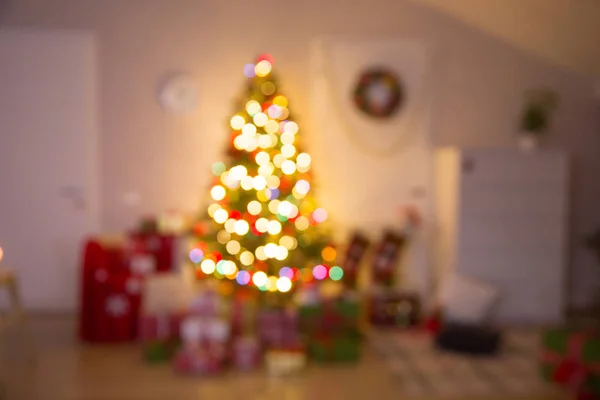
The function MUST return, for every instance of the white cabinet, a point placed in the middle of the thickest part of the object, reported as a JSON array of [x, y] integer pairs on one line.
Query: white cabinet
[[502, 218]]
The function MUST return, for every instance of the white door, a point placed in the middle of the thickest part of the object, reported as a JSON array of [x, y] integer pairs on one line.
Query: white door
[[47, 161]]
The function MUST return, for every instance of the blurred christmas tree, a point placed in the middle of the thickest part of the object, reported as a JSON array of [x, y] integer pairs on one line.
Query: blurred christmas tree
[[263, 227]]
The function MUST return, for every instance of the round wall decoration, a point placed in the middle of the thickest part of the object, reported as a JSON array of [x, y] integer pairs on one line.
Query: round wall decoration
[[378, 93], [178, 93]]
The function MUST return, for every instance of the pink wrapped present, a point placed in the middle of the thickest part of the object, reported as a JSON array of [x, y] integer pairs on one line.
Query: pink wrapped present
[[204, 348], [207, 304], [246, 353], [277, 328], [207, 358]]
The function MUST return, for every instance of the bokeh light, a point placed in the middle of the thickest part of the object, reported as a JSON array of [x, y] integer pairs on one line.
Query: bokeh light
[[246, 183], [259, 182], [288, 167], [319, 215], [272, 126], [284, 284], [249, 130], [208, 266], [281, 101], [302, 186], [273, 182], [243, 277], [220, 216], [287, 272], [274, 227], [302, 223], [271, 250], [233, 247], [241, 227], [260, 119], [230, 225], [218, 192], [249, 70], [268, 88], [259, 278], [196, 255], [329, 253], [320, 272], [288, 150], [253, 107], [223, 236], [291, 127], [247, 258], [262, 68], [237, 122], [254, 207], [303, 160], [336, 273], [218, 168]]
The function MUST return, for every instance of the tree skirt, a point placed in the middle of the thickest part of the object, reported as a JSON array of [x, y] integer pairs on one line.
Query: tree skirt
[[423, 371]]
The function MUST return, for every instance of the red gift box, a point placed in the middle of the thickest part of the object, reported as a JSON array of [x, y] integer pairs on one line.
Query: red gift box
[[206, 358], [246, 353], [277, 328], [160, 247], [160, 326]]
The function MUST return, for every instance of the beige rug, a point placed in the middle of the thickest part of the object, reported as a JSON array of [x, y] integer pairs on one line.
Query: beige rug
[[423, 371]]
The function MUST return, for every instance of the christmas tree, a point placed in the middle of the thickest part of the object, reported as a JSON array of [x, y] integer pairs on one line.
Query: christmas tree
[[263, 227]]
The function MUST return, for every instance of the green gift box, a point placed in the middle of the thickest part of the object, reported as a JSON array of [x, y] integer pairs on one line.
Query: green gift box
[[337, 316], [159, 351], [342, 348], [569, 355]]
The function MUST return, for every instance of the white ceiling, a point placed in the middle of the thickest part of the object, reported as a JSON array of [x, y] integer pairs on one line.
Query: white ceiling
[[564, 32]]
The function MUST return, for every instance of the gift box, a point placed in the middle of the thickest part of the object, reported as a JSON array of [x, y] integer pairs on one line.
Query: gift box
[[277, 327], [159, 251], [329, 317], [204, 346], [571, 358], [336, 348], [390, 308], [246, 353], [354, 255], [386, 259], [159, 335]]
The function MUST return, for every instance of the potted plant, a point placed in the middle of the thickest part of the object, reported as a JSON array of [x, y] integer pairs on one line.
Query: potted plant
[[535, 119]]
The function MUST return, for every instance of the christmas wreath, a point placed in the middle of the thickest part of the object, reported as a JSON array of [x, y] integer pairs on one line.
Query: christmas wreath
[[378, 93]]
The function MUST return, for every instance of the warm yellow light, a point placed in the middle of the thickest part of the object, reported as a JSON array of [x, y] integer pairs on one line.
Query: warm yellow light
[[285, 113], [291, 127], [262, 157], [259, 182], [237, 122], [281, 253], [268, 88], [240, 142], [287, 138], [302, 223], [287, 242], [241, 227], [273, 182], [253, 107], [271, 250], [252, 144], [281, 101], [272, 284], [217, 192], [274, 206], [293, 212], [264, 141], [274, 112], [229, 268], [329, 253], [260, 278], [303, 160], [247, 258], [233, 247], [212, 208], [249, 130], [288, 150], [260, 253], [254, 207], [260, 119], [262, 68], [261, 195], [247, 183], [230, 225], [238, 172], [220, 216], [208, 266], [274, 138], [284, 208], [223, 237], [303, 170], [284, 284], [262, 225], [274, 227], [266, 170], [272, 126], [1, 253], [288, 167], [278, 160]]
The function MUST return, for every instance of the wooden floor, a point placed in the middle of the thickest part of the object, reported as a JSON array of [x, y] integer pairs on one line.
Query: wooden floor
[[64, 369]]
